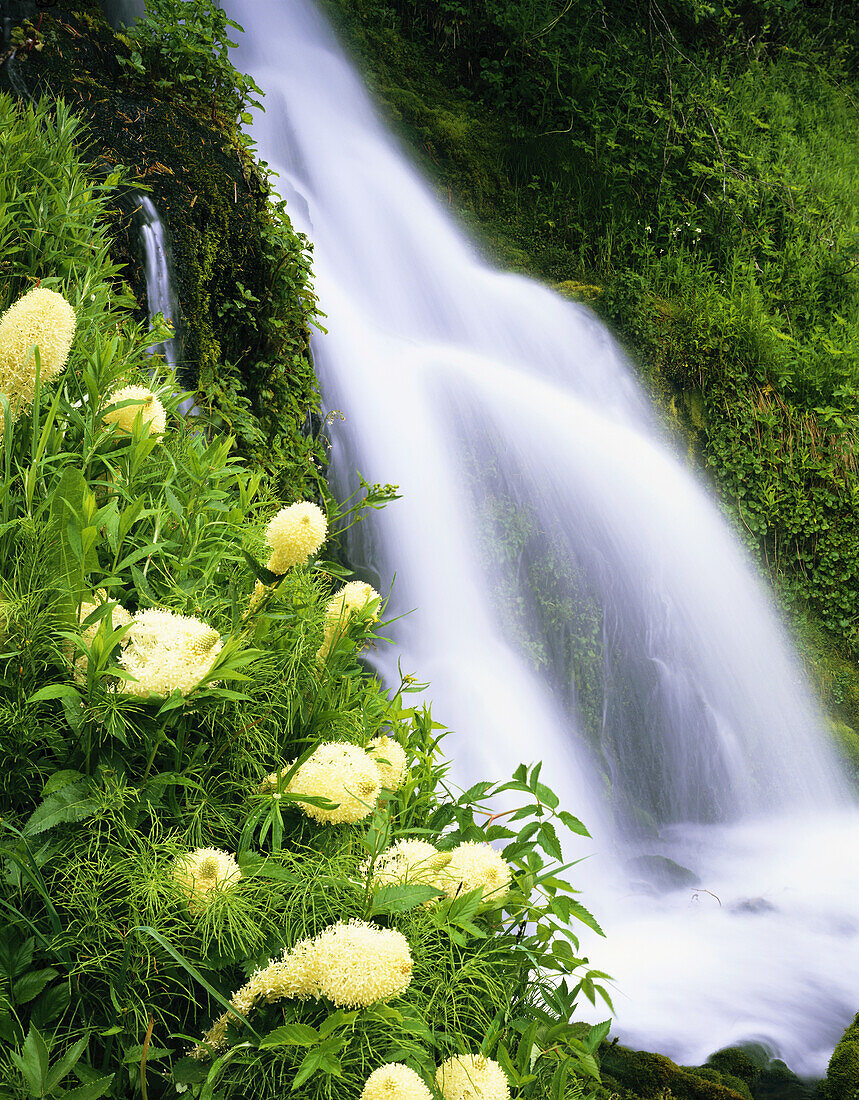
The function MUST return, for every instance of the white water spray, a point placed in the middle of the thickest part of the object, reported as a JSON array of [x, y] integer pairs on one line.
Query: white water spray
[[499, 407]]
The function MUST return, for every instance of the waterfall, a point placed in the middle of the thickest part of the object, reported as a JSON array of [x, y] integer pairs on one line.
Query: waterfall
[[161, 294], [160, 283], [569, 589]]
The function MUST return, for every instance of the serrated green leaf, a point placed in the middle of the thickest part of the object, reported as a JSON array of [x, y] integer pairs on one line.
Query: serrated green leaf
[[32, 984], [402, 898], [291, 1035], [91, 1091], [71, 803]]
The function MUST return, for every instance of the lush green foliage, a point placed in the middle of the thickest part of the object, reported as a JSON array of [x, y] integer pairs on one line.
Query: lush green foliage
[[243, 276], [182, 47], [107, 975]]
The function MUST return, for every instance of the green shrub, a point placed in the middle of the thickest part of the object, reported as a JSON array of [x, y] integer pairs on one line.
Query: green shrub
[[130, 551]]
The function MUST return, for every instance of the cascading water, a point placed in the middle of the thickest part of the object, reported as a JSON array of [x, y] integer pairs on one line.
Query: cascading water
[[161, 294], [160, 284], [529, 463]]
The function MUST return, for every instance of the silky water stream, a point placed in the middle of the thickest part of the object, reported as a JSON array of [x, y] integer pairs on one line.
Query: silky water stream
[[573, 595]]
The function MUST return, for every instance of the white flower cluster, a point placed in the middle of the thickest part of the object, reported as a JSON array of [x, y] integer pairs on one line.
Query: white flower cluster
[[390, 757], [343, 773], [41, 318], [294, 534], [117, 616], [473, 864], [167, 652], [145, 403], [353, 599], [203, 873], [354, 965], [410, 861], [472, 1077], [395, 1081], [468, 866]]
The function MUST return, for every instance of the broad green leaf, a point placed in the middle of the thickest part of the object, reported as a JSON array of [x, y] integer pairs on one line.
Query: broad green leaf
[[32, 984], [71, 803], [55, 691], [34, 1059], [291, 1035], [91, 1091], [399, 899], [65, 1065]]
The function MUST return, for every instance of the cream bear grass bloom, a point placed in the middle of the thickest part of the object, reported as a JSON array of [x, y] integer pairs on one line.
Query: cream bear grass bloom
[[395, 1081], [342, 773], [293, 976], [390, 757], [473, 864], [359, 964], [352, 599], [472, 1077], [294, 534], [41, 318], [354, 965], [146, 403], [204, 873], [167, 652], [410, 861], [117, 617]]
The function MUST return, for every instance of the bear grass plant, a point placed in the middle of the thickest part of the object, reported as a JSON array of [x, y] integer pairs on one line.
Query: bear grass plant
[[149, 869]]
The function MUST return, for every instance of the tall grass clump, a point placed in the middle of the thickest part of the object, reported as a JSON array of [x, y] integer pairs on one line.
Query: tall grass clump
[[207, 800]]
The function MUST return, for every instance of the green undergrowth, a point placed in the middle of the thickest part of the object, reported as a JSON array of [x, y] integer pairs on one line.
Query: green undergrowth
[[170, 107], [111, 968], [689, 171]]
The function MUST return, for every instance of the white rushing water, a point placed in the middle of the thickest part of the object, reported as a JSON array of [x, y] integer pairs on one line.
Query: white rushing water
[[161, 296], [158, 269], [689, 734]]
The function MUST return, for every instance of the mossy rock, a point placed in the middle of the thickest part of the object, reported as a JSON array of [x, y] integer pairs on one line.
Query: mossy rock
[[842, 1075], [645, 1076], [740, 1063], [710, 1073]]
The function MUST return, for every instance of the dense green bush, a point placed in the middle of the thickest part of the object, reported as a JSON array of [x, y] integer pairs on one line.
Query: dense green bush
[[115, 959]]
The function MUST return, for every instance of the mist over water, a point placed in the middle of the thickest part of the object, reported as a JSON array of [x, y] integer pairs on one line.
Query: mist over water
[[658, 688]]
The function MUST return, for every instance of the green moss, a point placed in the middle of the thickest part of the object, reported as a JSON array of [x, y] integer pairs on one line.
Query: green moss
[[634, 1073], [738, 1063], [842, 1075]]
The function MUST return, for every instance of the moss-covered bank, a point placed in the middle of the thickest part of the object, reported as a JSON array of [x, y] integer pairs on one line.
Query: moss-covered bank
[[244, 281]]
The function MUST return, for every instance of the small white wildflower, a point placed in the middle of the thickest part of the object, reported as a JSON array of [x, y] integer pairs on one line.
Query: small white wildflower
[[473, 864], [409, 861], [342, 773], [359, 964], [41, 318], [352, 599], [168, 652], [203, 873], [390, 757]]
